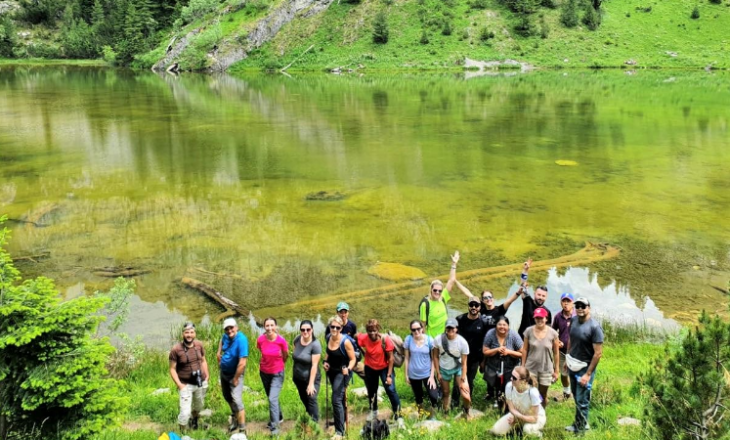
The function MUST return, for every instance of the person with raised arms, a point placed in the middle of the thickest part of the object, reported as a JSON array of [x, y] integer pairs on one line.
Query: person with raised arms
[[432, 309]]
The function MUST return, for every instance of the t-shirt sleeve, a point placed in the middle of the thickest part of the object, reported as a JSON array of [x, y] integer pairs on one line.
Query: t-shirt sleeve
[[283, 344], [259, 342], [361, 339], [437, 343], [407, 343], [243, 347], [516, 340], [422, 311], [389, 346], [488, 339], [597, 334], [173, 355], [316, 347], [464, 346], [535, 397], [446, 296], [202, 349]]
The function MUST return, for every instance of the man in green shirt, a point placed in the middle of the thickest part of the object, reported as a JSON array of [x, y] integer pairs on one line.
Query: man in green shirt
[[432, 310]]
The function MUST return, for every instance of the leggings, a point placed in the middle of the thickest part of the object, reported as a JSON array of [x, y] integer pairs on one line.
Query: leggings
[[310, 402], [418, 385], [339, 388]]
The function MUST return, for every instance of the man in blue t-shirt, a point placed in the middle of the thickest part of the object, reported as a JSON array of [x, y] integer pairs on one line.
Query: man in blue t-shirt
[[232, 356]]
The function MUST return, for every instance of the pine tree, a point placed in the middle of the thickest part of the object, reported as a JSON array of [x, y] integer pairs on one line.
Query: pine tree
[[569, 14], [689, 395], [380, 28], [591, 18], [52, 372]]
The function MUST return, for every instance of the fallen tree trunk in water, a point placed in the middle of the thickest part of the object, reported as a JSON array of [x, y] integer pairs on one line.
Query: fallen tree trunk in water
[[33, 258], [121, 271], [216, 296]]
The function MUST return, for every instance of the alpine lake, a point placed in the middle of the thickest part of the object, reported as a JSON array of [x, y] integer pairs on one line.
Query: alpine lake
[[288, 194]]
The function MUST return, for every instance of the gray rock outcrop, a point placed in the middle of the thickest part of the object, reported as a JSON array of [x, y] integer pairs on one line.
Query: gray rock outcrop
[[231, 50]]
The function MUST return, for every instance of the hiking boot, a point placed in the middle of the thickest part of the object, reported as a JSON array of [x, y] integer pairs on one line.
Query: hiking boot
[[233, 427], [194, 423]]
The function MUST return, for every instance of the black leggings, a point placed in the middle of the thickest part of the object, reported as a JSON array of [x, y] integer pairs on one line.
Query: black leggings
[[310, 402], [433, 393]]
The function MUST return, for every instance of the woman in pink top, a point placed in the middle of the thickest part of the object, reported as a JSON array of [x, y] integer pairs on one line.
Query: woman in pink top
[[274, 353]]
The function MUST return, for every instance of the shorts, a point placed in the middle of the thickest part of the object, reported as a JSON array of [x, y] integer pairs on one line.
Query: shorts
[[544, 379], [563, 366], [448, 374]]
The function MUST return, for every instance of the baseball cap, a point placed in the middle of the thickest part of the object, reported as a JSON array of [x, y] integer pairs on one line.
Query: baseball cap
[[229, 322], [566, 295], [540, 313], [451, 322], [584, 300], [474, 300], [188, 326], [343, 306]]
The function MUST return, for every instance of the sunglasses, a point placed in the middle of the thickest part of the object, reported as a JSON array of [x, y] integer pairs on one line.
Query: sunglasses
[[450, 328], [335, 327], [486, 298], [417, 329], [474, 306], [580, 306], [515, 378], [436, 291], [305, 330]]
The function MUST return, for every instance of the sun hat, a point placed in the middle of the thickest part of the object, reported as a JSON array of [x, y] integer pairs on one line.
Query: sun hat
[[229, 322]]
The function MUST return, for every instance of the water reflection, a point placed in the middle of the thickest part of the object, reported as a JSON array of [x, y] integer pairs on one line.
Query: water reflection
[[213, 171]]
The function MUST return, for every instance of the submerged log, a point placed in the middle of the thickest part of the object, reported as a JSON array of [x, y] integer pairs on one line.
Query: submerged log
[[119, 271], [33, 258], [215, 296]]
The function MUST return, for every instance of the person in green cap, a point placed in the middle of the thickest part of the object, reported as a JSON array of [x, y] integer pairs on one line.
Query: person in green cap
[[349, 328], [432, 309]]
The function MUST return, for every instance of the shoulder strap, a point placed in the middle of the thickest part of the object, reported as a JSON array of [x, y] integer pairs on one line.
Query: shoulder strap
[[428, 308], [445, 344]]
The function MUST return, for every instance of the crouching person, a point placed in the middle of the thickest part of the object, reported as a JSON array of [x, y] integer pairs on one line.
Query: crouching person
[[525, 409], [189, 371]]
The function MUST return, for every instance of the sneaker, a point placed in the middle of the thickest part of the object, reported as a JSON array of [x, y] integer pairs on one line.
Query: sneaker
[[194, 423], [567, 396], [373, 415], [570, 428], [233, 427], [401, 423]]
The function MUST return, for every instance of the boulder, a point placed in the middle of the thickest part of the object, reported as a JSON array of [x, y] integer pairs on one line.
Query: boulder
[[430, 425], [629, 421], [159, 391]]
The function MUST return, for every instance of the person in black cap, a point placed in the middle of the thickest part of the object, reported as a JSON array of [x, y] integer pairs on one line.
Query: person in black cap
[[585, 349], [189, 371], [472, 327]]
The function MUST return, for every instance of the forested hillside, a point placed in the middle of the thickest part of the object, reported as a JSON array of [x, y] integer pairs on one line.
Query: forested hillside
[[358, 34]]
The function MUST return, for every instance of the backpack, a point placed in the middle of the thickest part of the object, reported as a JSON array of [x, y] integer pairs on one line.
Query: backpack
[[398, 355], [376, 430], [425, 300], [355, 347]]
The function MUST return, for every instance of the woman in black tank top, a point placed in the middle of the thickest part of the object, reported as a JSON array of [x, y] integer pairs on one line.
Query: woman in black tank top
[[338, 365]]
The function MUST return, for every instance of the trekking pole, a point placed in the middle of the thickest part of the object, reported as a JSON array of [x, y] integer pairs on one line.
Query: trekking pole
[[326, 402], [347, 417]]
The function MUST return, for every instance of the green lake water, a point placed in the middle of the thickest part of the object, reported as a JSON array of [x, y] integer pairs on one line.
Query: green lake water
[[209, 177]]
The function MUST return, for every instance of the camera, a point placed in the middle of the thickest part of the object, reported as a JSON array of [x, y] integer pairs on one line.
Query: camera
[[198, 378]]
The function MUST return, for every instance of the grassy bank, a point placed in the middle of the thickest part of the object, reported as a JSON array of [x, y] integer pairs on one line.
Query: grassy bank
[[51, 62], [614, 397]]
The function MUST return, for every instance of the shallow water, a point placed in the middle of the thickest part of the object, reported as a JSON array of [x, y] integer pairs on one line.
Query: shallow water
[[175, 174]]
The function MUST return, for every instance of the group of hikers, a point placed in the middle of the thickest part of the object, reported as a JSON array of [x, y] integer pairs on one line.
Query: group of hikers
[[441, 358]]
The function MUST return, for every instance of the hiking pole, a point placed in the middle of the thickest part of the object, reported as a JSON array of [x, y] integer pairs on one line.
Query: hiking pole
[[347, 417], [326, 402]]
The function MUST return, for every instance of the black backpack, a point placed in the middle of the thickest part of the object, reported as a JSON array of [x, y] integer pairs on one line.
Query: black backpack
[[424, 300], [376, 430]]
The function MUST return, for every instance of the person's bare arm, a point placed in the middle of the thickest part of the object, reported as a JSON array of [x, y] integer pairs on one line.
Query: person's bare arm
[[204, 368], [527, 418], [219, 353], [175, 377], [452, 273], [240, 368], [463, 289], [556, 357], [350, 350], [313, 373], [512, 298], [597, 353], [525, 347], [406, 360]]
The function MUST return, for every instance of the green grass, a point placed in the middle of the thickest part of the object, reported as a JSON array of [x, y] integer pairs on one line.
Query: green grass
[[614, 397], [342, 37]]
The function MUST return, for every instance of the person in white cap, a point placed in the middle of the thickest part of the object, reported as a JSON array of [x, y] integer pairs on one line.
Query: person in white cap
[[189, 371], [232, 355], [585, 349]]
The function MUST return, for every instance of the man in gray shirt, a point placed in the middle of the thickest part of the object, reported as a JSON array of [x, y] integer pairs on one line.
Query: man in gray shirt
[[585, 349]]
